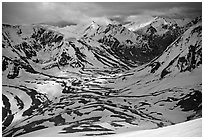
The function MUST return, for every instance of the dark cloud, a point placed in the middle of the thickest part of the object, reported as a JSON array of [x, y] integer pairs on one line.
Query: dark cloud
[[27, 13], [131, 8], [19, 13]]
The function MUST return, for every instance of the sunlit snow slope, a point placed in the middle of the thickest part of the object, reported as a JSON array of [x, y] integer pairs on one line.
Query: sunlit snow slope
[[186, 129]]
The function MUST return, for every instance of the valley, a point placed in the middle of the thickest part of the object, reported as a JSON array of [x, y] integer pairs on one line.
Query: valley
[[93, 79]]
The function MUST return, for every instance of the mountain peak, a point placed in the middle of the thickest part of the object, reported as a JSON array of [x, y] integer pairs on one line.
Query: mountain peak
[[137, 22], [94, 25]]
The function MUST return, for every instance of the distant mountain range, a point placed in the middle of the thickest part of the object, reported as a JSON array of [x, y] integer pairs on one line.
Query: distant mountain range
[[59, 24]]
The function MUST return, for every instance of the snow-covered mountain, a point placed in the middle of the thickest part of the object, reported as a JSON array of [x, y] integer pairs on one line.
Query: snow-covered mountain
[[95, 81], [161, 32], [60, 24], [134, 23]]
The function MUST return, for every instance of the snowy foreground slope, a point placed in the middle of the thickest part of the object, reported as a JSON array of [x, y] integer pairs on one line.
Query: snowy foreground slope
[[86, 86], [187, 129]]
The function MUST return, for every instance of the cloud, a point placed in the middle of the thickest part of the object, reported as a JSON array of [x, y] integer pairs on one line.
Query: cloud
[[175, 12], [36, 12], [42, 12]]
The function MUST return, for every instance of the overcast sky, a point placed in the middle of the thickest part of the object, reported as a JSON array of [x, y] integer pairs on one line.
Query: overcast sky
[[27, 13]]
